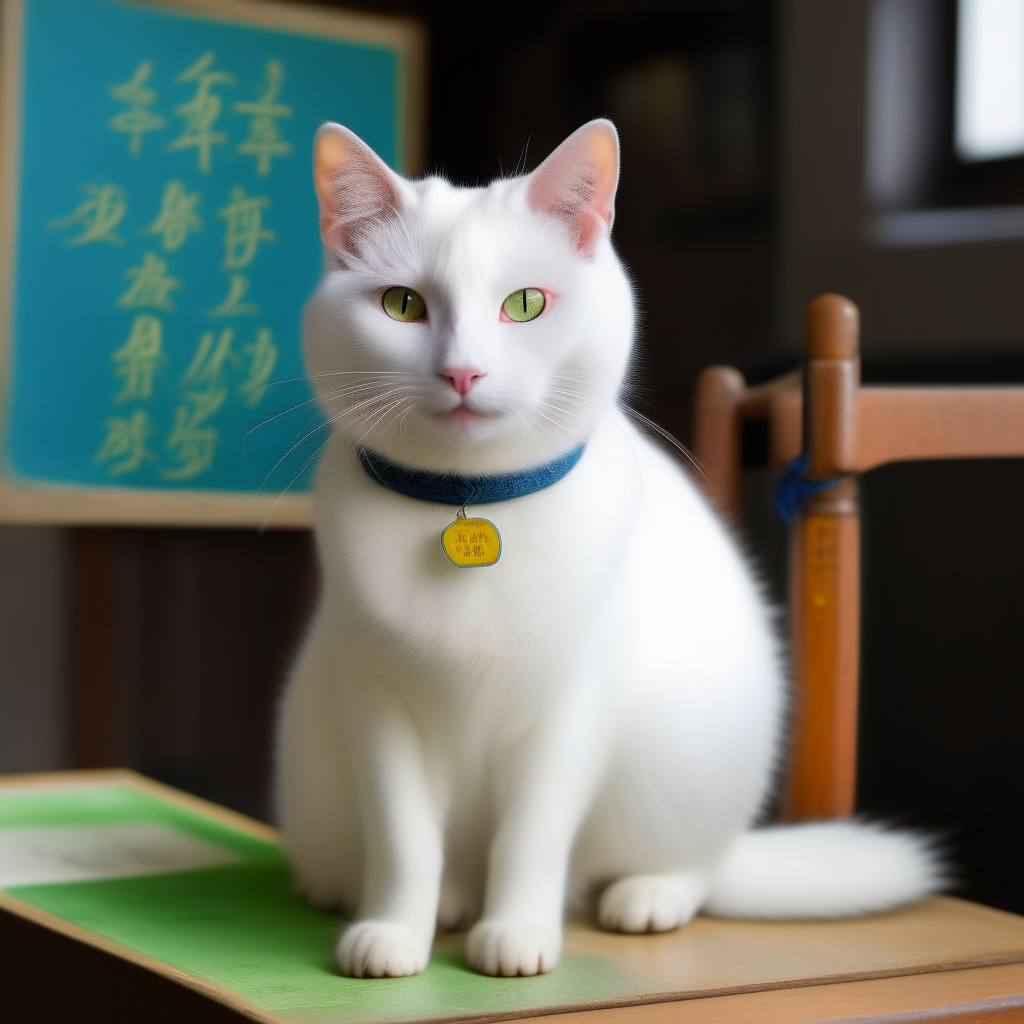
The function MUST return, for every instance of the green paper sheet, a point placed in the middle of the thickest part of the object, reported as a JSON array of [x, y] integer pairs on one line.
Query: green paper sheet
[[239, 926]]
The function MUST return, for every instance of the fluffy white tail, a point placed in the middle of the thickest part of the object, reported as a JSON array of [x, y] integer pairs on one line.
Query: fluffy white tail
[[822, 869]]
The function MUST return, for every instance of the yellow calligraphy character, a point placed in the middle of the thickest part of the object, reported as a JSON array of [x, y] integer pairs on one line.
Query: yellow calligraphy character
[[262, 360], [233, 304], [138, 360], [244, 231], [97, 216], [191, 442], [137, 119], [177, 216], [201, 112], [151, 285], [265, 140], [126, 442], [208, 363]]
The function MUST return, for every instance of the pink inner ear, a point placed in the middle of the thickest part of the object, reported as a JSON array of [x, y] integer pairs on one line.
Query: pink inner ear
[[576, 184], [354, 187]]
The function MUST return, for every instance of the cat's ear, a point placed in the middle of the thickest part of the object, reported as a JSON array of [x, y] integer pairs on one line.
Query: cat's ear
[[355, 188], [577, 184]]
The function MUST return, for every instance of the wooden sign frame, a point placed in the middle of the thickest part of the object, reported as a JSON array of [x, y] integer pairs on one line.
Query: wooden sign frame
[[23, 501]]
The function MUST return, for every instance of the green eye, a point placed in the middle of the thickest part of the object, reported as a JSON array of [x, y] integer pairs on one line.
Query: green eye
[[525, 304], [403, 304]]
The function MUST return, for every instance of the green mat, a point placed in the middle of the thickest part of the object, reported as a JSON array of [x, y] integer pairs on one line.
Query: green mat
[[238, 926]]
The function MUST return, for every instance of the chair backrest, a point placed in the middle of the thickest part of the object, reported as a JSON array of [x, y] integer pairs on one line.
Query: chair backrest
[[842, 429]]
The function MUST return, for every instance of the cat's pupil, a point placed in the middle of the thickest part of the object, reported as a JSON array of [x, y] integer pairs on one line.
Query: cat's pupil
[[406, 297], [524, 300]]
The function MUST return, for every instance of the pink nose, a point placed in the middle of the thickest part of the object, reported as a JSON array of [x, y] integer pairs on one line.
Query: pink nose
[[462, 378]]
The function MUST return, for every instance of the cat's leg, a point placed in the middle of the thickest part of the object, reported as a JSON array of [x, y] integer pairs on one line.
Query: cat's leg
[[468, 831], [549, 783], [686, 778], [403, 843], [653, 903], [460, 902], [314, 794]]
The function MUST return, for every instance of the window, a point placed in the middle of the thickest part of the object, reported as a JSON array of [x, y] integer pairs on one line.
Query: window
[[945, 121], [989, 100]]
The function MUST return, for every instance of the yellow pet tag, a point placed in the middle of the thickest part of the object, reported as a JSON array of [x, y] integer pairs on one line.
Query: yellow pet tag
[[471, 542]]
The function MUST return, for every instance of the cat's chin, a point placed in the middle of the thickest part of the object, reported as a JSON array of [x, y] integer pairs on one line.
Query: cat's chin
[[481, 443]]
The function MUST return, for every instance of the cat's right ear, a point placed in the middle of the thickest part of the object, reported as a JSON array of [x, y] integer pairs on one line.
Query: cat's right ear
[[354, 187]]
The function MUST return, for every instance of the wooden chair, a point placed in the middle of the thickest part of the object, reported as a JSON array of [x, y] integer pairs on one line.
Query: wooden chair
[[845, 429]]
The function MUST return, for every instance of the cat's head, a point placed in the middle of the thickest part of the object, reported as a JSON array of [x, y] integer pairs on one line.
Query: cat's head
[[468, 329]]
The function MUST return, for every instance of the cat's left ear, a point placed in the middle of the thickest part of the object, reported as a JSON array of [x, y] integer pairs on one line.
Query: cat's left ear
[[576, 184], [355, 188]]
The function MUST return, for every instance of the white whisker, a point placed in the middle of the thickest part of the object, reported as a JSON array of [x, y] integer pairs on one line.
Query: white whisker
[[666, 436], [302, 469]]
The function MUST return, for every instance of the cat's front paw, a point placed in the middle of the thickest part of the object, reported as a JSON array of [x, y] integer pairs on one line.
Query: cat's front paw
[[381, 949], [510, 948], [651, 903]]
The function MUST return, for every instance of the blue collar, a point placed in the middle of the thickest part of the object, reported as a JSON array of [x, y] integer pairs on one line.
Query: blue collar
[[452, 489]]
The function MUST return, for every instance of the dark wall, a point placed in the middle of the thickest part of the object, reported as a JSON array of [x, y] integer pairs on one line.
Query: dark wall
[[941, 696], [181, 642]]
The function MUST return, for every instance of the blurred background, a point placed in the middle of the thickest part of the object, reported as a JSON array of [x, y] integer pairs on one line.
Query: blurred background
[[772, 150]]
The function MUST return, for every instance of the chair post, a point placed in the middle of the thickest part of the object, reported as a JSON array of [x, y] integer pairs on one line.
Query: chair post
[[825, 574], [716, 436]]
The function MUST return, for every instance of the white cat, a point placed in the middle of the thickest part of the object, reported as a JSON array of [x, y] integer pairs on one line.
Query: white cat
[[600, 708]]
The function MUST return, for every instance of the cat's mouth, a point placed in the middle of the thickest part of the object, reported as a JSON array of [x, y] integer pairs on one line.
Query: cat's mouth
[[462, 413]]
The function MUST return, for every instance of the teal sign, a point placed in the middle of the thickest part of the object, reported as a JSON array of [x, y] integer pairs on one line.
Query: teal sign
[[167, 240]]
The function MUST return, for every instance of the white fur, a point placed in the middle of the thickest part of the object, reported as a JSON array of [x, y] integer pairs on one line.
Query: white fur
[[603, 706], [821, 869]]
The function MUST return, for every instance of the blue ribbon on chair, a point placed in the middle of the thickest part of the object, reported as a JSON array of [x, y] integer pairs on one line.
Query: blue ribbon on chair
[[794, 488]]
